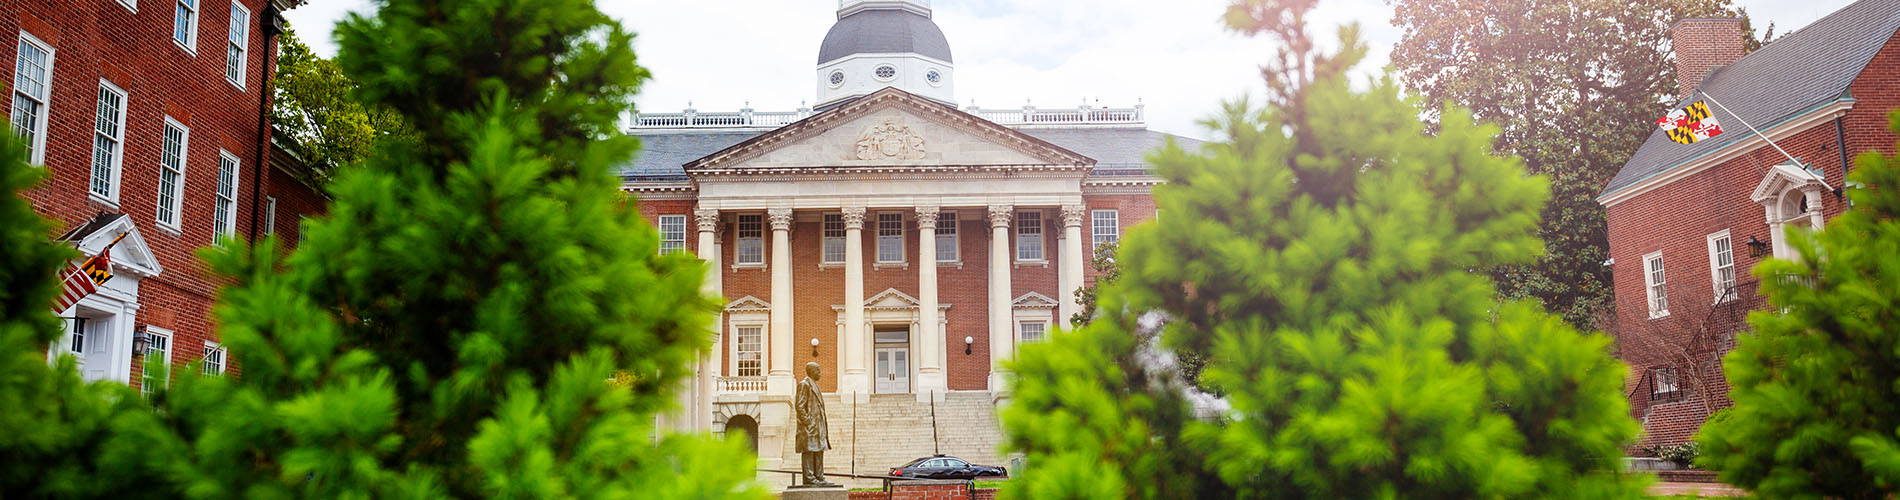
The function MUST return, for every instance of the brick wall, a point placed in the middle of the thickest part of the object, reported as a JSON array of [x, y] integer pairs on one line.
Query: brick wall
[[1677, 218], [134, 50], [928, 490], [1702, 44]]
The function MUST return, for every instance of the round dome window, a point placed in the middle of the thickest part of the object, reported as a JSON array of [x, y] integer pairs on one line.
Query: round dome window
[[934, 77], [886, 72], [837, 78]]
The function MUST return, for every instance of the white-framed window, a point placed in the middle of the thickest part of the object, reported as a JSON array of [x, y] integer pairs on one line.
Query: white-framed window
[[214, 358], [1105, 226], [108, 143], [1656, 284], [224, 208], [131, 5], [1029, 235], [1665, 385], [77, 342], [1722, 265], [672, 234], [239, 44], [32, 81], [185, 25], [270, 215], [171, 172], [751, 247], [748, 351], [947, 237], [833, 239], [890, 237], [1032, 331], [158, 353]]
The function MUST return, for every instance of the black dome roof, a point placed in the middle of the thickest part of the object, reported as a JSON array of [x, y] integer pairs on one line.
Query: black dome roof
[[884, 31]]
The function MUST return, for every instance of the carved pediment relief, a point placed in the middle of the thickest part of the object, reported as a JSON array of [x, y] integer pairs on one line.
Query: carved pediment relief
[[889, 140]]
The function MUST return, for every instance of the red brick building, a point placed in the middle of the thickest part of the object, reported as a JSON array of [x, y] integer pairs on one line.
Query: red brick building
[[904, 244], [1687, 222], [149, 117]]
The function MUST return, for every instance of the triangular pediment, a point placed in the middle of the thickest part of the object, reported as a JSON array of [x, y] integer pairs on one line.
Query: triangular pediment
[[131, 254], [1033, 300], [890, 298], [749, 303], [1781, 178], [889, 128]]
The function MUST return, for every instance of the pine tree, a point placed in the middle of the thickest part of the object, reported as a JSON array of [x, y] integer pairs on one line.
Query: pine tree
[[448, 329], [1816, 412], [1329, 259]]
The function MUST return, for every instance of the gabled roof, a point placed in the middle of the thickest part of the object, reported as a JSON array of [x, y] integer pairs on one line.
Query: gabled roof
[[131, 254], [888, 97], [1798, 73]]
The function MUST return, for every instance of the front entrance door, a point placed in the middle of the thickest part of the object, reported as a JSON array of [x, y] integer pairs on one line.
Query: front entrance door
[[893, 370]]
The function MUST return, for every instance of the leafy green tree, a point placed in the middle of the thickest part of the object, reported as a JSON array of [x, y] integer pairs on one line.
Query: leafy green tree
[[312, 105], [1106, 273], [1574, 87], [1325, 265], [1816, 412], [449, 328]]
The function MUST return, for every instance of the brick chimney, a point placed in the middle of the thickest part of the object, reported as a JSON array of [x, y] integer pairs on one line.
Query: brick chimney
[[1703, 44]]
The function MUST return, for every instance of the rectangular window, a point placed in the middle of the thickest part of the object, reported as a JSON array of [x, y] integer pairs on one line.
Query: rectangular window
[[890, 237], [672, 234], [79, 336], [1657, 285], [171, 172], [1665, 385], [185, 25], [270, 215], [32, 74], [1029, 236], [834, 239], [1032, 331], [239, 45], [1722, 266], [947, 237], [108, 142], [748, 353], [214, 358], [751, 249], [131, 5], [224, 210], [1105, 227], [158, 354]]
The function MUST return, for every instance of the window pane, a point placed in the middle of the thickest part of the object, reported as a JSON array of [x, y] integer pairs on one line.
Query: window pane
[[185, 22], [749, 355], [1029, 236], [1104, 227], [834, 239], [108, 127], [890, 237], [751, 249], [947, 237], [171, 163], [29, 94], [223, 220], [235, 49], [672, 233]]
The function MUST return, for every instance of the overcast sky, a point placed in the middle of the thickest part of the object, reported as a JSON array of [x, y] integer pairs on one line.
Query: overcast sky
[[1170, 55]]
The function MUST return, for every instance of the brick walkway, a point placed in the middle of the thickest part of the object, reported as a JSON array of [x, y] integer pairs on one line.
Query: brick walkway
[[1696, 489]]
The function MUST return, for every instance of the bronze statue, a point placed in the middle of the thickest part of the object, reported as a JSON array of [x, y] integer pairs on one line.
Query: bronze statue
[[812, 436]]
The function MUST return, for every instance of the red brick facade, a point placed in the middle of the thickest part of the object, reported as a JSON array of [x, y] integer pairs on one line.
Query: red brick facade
[[134, 50], [1702, 44], [1676, 219]]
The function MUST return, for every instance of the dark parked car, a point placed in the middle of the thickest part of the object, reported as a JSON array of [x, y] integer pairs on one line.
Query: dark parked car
[[946, 467]]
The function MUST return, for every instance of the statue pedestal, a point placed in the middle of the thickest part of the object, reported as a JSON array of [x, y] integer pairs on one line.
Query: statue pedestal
[[816, 493]]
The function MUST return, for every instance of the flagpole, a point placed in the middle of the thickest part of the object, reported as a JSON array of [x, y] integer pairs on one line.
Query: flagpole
[[1764, 137]]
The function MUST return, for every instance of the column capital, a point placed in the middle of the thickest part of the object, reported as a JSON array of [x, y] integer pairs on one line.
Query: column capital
[[927, 217], [854, 217], [708, 219], [781, 218], [1000, 215], [1073, 215]]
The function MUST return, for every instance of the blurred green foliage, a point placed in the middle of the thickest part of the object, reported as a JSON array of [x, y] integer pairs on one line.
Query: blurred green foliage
[[327, 127]]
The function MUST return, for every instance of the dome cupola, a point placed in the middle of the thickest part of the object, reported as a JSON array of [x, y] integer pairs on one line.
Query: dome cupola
[[884, 43]]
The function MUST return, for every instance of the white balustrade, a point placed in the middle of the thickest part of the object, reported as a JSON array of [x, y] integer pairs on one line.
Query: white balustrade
[[1025, 116], [741, 384]]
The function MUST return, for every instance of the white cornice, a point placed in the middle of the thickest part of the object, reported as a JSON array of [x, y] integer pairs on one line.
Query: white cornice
[[1798, 124]]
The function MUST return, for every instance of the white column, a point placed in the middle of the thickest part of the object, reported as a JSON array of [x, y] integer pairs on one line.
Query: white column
[[779, 380], [929, 352], [709, 366], [1069, 276], [1815, 219], [854, 379], [1002, 333]]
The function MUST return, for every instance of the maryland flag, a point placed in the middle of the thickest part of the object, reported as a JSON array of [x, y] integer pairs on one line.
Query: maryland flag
[[1690, 124], [79, 282]]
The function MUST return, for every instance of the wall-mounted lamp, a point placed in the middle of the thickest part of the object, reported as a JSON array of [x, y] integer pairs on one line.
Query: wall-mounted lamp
[[966, 344], [1757, 248], [140, 341], [814, 347]]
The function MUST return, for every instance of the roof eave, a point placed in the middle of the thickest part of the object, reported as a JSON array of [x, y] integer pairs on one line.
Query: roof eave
[[1780, 129]]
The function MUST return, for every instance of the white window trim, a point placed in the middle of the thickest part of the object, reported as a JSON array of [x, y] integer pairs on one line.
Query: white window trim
[[237, 170], [825, 239], [1095, 237], [738, 242], [1022, 331], [956, 238], [1649, 285], [178, 189], [1044, 314], [244, 46], [732, 354], [46, 100], [1042, 237], [903, 240], [116, 175], [131, 5], [156, 332], [1715, 271], [661, 222], [270, 215], [190, 44], [224, 357]]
